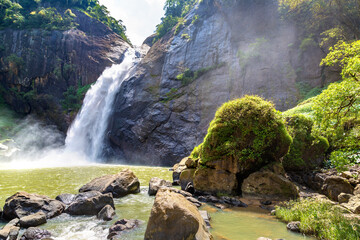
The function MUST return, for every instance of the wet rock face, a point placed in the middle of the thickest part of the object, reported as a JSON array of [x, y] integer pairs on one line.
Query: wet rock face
[[52, 61], [23, 204], [123, 225], [118, 185], [36, 234], [33, 220], [158, 119], [156, 183], [173, 215]]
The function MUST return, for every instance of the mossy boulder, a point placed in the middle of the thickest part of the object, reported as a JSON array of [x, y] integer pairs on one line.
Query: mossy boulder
[[307, 150], [245, 135]]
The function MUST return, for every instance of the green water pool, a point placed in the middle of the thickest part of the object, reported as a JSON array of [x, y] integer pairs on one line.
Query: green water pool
[[235, 224]]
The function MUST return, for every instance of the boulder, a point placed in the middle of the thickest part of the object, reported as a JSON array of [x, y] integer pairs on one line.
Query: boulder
[[268, 185], [293, 226], [33, 220], [172, 215], [90, 204], [205, 215], [14, 233], [8, 228], [34, 233], [106, 213], [357, 190], [177, 169], [186, 177], [156, 183], [215, 181], [22, 204], [119, 184], [344, 197], [124, 224], [353, 204], [334, 185]]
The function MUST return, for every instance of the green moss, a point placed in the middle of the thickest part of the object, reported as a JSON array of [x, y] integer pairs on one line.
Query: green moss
[[307, 150], [247, 129], [188, 76], [320, 218]]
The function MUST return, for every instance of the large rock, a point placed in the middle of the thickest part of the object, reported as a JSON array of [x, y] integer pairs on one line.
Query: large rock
[[156, 183], [119, 184], [34, 233], [334, 185], [187, 177], [8, 228], [90, 203], [214, 181], [23, 204], [123, 225], [172, 215], [33, 220], [106, 213], [353, 204], [268, 185]]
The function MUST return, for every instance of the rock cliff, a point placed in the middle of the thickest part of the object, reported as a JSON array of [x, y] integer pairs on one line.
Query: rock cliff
[[37, 66], [222, 51]]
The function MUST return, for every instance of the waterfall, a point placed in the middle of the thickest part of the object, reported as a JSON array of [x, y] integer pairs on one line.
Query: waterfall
[[87, 133]]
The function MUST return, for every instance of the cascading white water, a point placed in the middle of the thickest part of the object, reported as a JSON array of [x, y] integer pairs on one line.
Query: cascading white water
[[86, 134]]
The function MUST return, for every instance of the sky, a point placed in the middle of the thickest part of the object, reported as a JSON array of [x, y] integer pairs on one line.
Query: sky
[[139, 16]]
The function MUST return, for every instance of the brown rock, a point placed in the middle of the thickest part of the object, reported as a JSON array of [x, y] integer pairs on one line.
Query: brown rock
[[357, 190], [293, 226], [11, 226], [178, 168], [90, 205], [156, 183], [33, 220], [106, 213], [119, 184], [268, 185], [353, 204], [334, 185], [191, 163], [34, 233], [172, 215], [344, 197], [186, 177], [123, 225], [23, 204], [215, 181]]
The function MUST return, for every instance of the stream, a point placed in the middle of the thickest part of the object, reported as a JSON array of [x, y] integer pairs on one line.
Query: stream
[[236, 223]]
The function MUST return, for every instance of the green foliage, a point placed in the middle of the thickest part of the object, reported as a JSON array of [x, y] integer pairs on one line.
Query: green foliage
[[340, 159], [175, 11], [337, 108], [247, 129], [252, 52], [318, 16], [306, 91], [304, 108], [185, 36], [307, 150], [54, 14], [14, 59], [171, 95], [307, 43], [320, 218], [73, 97], [189, 76]]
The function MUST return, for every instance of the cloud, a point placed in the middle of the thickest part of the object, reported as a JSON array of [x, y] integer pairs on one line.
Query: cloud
[[139, 16]]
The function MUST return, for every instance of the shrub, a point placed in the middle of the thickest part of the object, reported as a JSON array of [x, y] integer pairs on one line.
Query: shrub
[[249, 130], [307, 150], [320, 218]]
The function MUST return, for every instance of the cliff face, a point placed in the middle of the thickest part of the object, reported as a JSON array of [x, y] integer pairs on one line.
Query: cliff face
[[223, 51], [38, 66]]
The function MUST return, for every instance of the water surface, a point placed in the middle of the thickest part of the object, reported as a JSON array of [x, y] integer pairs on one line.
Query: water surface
[[235, 224]]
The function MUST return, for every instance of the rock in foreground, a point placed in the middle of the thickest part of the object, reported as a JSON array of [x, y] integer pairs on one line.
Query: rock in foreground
[[123, 225], [33, 220], [89, 203], [156, 183], [22, 204], [10, 229], [268, 185], [106, 213], [119, 185], [36, 234], [173, 215]]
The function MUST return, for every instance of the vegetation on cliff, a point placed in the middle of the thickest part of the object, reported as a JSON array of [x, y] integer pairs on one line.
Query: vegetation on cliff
[[54, 14], [320, 218]]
